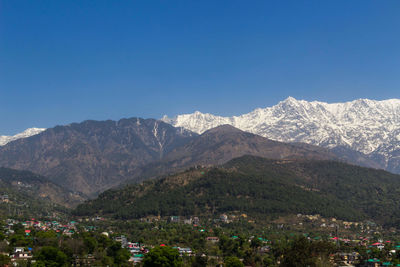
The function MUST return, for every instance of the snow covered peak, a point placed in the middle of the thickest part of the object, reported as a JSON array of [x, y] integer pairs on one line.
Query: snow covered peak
[[197, 120], [364, 125], [4, 139], [290, 101]]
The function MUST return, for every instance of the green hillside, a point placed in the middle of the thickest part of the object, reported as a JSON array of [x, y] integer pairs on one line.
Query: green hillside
[[23, 193], [260, 187]]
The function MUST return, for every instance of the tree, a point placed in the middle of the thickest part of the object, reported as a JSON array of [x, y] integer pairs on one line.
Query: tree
[[233, 262], [20, 240], [255, 243], [229, 246], [2, 236], [46, 238], [119, 254], [298, 254], [251, 258], [303, 252], [200, 261], [162, 257], [52, 257], [4, 260], [90, 243]]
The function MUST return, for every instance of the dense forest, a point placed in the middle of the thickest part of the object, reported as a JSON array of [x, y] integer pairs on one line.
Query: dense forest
[[259, 187]]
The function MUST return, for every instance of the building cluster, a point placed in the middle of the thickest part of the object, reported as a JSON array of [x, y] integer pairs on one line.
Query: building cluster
[[349, 234], [25, 253], [138, 250], [65, 229], [4, 198]]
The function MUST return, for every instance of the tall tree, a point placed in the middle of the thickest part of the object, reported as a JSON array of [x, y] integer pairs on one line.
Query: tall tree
[[162, 257]]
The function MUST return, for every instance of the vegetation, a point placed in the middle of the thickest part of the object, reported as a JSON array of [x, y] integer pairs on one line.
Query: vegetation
[[260, 187], [233, 262], [51, 256], [52, 249], [24, 194], [162, 256], [236, 244], [302, 252], [267, 204]]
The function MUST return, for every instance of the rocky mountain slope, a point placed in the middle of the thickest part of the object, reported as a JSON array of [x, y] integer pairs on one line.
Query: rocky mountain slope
[[260, 187], [92, 156], [223, 143], [366, 126]]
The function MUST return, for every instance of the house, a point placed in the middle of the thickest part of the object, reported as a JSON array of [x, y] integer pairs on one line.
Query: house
[[264, 249], [185, 251], [87, 260], [122, 239], [223, 218], [20, 253], [4, 198], [348, 257], [212, 239], [187, 221], [137, 258], [174, 219], [373, 263], [378, 245]]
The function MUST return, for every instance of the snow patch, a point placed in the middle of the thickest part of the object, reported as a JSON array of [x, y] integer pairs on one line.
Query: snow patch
[[4, 139]]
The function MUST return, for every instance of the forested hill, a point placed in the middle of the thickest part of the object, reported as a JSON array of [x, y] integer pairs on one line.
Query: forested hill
[[26, 193], [260, 187]]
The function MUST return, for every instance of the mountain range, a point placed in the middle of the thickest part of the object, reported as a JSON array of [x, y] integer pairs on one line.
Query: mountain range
[[367, 126], [93, 156]]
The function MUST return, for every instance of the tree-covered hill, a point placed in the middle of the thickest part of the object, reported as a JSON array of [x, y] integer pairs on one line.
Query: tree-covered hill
[[28, 194], [259, 186]]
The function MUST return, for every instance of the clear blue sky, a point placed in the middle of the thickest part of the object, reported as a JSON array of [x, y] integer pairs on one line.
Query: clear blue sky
[[67, 61]]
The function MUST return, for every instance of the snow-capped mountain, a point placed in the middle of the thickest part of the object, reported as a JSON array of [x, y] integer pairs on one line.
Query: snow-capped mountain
[[367, 126], [4, 139]]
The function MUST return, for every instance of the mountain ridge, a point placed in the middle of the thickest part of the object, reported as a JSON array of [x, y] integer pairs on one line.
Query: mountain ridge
[[259, 187], [4, 139], [223, 143], [367, 126], [92, 156]]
